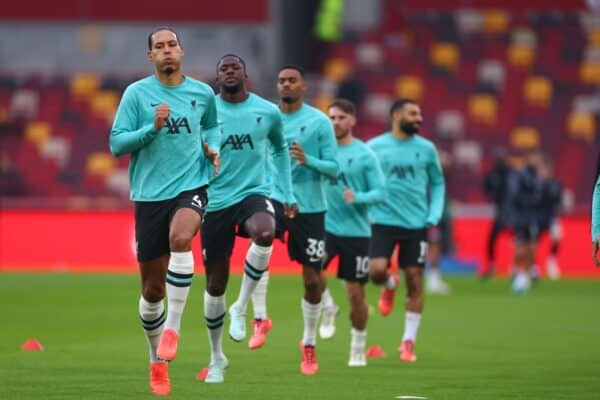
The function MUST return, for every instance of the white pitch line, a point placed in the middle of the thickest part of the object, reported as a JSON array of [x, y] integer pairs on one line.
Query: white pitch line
[[412, 397]]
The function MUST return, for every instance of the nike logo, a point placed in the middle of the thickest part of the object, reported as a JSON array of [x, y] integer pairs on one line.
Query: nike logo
[[314, 259], [154, 104]]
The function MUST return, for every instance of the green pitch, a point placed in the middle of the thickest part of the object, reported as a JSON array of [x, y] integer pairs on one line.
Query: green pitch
[[481, 342]]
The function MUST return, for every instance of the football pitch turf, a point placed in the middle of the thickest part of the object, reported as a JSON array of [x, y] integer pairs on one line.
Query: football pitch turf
[[481, 342]]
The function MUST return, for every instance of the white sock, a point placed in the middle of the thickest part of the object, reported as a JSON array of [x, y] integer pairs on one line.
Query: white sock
[[391, 283], [179, 279], [152, 316], [214, 314], [257, 259], [411, 326], [358, 341], [311, 317], [259, 297], [326, 299]]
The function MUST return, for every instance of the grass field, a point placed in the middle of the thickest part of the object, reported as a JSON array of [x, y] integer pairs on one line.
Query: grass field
[[481, 342]]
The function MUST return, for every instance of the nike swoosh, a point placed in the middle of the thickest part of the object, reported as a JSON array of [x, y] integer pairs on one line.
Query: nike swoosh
[[154, 105], [314, 259]]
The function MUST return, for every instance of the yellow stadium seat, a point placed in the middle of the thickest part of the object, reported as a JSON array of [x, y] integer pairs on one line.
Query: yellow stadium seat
[[525, 138], [594, 37], [322, 101], [100, 164], [104, 103], [410, 87], [583, 125], [84, 84], [590, 72], [520, 56], [538, 91], [336, 69], [445, 55], [495, 21], [38, 132], [483, 108], [90, 38]]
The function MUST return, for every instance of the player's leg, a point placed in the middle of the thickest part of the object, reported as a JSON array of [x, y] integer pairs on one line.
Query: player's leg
[[497, 228], [152, 247], [217, 242], [434, 282], [411, 260], [381, 248], [329, 308], [552, 267], [260, 226]]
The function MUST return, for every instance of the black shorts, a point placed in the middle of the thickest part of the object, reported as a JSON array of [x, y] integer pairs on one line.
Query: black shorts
[[413, 244], [527, 231], [153, 218], [306, 235], [220, 227], [354, 257]]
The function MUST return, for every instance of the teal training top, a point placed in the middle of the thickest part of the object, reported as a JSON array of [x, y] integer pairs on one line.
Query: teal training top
[[596, 211], [313, 130], [170, 161], [414, 182], [361, 173], [249, 130]]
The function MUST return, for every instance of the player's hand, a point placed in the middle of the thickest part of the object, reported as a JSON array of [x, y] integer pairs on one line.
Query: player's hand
[[161, 115], [595, 249], [290, 211], [214, 158], [297, 153], [348, 195]]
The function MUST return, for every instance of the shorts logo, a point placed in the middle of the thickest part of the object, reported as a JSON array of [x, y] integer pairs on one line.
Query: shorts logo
[[196, 201], [270, 207]]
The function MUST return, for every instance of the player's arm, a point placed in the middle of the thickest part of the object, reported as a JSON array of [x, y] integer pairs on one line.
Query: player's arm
[[596, 221], [126, 136], [437, 189], [211, 133], [281, 159], [375, 181], [326, 163]]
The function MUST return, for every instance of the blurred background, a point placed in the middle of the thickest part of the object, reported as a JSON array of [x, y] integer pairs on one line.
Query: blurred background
[[493, 77]]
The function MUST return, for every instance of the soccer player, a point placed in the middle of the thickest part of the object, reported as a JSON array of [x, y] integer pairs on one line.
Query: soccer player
[[166, 122], [496, 188], [596, 218], [239, 201], [359, 184], [414, 202], [549, 223], [312, 149]]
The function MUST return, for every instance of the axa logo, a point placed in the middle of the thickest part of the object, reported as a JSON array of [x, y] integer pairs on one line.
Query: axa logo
[[237, 142], [403, 171], [177, 125]]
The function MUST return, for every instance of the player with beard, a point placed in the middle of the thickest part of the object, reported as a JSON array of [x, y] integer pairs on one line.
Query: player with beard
[[166, 122], [414, 201], [239, 202], [359, 185]]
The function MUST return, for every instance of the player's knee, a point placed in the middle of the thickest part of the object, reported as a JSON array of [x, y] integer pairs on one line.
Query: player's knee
[[263, 237], [153, 292], [356, 299], [312, 285], [378, 275], [215, 288], [180, 241]]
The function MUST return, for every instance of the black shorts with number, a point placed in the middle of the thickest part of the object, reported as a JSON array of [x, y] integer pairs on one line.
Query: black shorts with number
[[153, 219], [413, 244], [306, 239], [220, 227], [527, 231], [353, 253]]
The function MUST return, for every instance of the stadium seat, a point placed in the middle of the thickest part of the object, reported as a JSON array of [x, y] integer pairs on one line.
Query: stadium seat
[[467, 152], [483, 108], [594, 38], [538, 91], [57, 148], [582, 125], [524, 36], [524, 138], [322, 101], [468, 20], [90, 38], [24, 103], [445, 55], [495, 21], [84, 84], [409, 86], [117, 181], [520, 56], [38, 133], [369, 55], [491, 72], [336, 69], [450, 124], [377, 106], [104, 103], [100, 164], [590, 72]]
